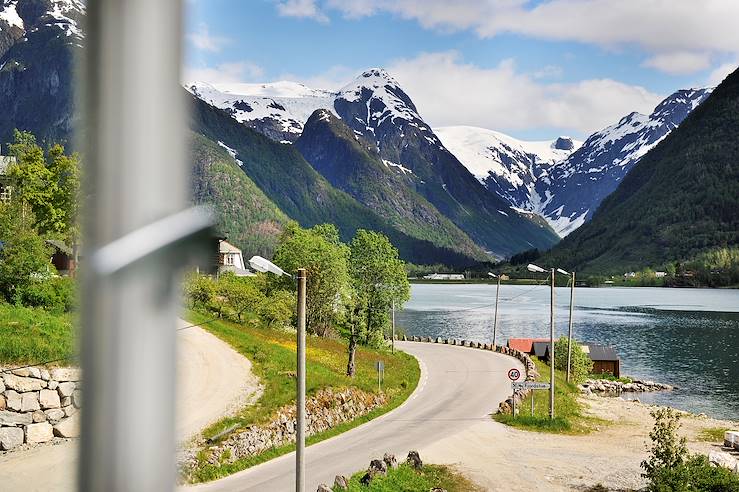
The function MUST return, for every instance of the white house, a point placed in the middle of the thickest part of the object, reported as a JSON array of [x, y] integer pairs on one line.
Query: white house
[[445, 276], [230, 259], [6, 189], [660, 274]]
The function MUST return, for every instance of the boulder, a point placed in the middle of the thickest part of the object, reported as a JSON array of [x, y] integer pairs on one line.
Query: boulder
[[29, 402], [731, 437], [69, 427], [77, 398], [21, 384], [323, 488], [2, 402], [52, 384], [2, 385], [341, 482], [720, 458], [66, 389], [63, 374], [38, 416], [14, 418], [13, 400], [37, 433], [27, 372], [49, 399], [66, 401], [54, 415], [45, 375], [10, 437], [69, 410], [378, 466], [367, 478], [414, 460], [390, 461]]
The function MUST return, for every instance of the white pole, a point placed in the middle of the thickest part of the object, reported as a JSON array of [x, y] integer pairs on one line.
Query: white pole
[[551, 351], [392, 342], [300, 435], [495, 318], [569, 331]]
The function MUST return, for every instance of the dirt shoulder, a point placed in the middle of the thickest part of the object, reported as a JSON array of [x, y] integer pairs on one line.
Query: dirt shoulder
[[499, 457]]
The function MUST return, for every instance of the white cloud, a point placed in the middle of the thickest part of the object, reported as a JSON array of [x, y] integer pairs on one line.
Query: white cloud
[[664, 29], [203, 40], [301, 8], [225, 72], [719, 73], [448, 91], [679, 63]]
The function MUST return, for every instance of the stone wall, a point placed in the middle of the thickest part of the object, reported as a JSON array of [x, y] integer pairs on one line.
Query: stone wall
[[326, 409], [37, 405], [531, 374]]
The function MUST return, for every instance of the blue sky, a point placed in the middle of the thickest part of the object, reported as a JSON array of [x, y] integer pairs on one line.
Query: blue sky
[[530, 69]]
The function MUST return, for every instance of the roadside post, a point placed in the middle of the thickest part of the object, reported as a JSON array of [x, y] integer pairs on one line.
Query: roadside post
[[514, 375], [529, 385], [380, 367], [392, 340], [569, 331], [497, 297]]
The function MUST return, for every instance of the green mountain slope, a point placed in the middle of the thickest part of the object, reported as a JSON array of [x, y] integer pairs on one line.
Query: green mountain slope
[[681, 199], [244, 214], [282, 173], [350, 164]]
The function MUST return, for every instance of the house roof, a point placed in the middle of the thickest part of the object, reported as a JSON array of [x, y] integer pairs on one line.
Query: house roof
[[600, 352], [541, 349], [524, 344], [226, 247], [239, 272], [60, 246]]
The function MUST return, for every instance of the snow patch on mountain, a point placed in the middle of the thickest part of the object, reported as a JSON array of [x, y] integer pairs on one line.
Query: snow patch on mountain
[[231, 152], [9, 14]]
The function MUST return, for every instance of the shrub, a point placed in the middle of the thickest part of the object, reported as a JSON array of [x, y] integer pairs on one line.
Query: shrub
[[278, 310], [668, 450], [581, 363], [56, 294], [199, 290]]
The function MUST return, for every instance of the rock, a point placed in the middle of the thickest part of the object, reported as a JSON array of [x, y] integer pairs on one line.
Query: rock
[[49, 399], [2, 385], [69, 427], [10, 437], [720, 458], [69, 410], [52, 384], [38, 416], [21, 384], [27, 372], [66, 401], [367, 478], [378, 466], [2, 402], [323, 488], [13, 400], [66, 389], [36, 433], [29, 402], [437, 489], [14, 418], [390, 461], [414, 460], [341, 482], [54, 415], [77, 398], [45, 375], [62, 374], [730, 437]]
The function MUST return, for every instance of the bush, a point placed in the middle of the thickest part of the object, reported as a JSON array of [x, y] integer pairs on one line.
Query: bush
[[56, 294], [695, 474], [581, 364], [279, 309], [199, 290]]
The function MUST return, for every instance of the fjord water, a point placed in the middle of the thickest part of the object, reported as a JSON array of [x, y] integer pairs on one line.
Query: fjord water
[[685, 337]]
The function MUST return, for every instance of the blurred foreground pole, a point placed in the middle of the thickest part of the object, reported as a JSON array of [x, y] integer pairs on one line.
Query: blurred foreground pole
[[300, 434], [137, 238]]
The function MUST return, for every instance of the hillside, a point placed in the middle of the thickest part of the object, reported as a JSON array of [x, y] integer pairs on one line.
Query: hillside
[[244, 214], [282, 173], [680, 199], [347, 163]]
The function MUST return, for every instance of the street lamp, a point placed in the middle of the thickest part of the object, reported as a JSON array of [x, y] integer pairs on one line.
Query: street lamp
[[534, 268], [263, 265], [497, 296]]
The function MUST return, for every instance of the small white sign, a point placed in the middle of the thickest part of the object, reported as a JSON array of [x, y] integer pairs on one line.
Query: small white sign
[[533, 385]]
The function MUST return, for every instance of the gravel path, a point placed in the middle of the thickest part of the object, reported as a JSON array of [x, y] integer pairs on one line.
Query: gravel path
[[213, 380]]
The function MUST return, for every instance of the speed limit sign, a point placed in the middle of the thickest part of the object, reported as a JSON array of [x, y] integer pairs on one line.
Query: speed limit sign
[[514, 374]]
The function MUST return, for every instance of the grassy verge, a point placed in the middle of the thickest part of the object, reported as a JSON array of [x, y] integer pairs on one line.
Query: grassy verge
[[609, 377], [272, 353], [712, 434], [405, 478], [569, 418], [31, 335]]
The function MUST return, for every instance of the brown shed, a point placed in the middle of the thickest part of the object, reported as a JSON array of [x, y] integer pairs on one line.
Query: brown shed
[[605, 359]]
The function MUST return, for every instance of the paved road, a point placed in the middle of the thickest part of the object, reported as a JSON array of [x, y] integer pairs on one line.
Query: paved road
[[459, 387], [212, 378]]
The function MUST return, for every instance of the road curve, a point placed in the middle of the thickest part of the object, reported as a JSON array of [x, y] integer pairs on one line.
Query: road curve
[[212, 378], [459, 387]]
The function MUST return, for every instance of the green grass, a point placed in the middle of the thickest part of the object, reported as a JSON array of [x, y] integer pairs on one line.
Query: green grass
[[272, 353], [610, 377], [32, 335], [406, 479], [712, 434], [569, 418]]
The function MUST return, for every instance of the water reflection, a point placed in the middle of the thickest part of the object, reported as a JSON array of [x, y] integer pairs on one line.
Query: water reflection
[[688, 338]]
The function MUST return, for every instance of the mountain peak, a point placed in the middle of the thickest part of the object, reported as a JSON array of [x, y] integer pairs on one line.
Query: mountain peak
[[563, 143]]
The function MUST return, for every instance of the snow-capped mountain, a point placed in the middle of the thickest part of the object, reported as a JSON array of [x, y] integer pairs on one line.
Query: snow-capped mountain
[[37, 43], [505, 165], [564, 181], [386, 122]]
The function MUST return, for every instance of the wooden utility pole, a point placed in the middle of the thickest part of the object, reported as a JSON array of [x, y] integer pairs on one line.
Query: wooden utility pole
[[569, 331]]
